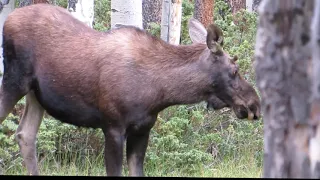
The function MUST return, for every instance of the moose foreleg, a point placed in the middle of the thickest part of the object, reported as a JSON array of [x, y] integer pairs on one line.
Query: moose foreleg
[[136, 149], [114, 140], [27, 132]]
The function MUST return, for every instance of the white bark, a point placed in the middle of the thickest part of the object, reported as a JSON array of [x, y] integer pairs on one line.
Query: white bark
[[84, 10], [171, 21], [314, 146], [7, 9], [282, 57], [165, 20], [126, 12], [249, 4]]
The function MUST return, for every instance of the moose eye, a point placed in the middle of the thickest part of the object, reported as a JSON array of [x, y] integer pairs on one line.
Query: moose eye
[[235, 72]]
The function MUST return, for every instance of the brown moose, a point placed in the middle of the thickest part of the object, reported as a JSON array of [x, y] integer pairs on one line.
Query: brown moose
[[117, 81]]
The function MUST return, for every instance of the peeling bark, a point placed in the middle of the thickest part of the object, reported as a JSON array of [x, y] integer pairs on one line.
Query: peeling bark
[[283, 55]]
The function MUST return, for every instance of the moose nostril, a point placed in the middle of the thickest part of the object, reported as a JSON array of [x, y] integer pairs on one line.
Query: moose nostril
[[253, 109], [256, 114]]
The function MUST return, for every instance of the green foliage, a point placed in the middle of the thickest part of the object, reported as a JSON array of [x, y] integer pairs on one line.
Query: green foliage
[[102, 11], [187, 13], [239, 37], [186, 140], [154, 29], [62, 3]]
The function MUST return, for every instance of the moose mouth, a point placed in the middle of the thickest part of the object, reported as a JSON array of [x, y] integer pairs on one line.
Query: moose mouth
[[242, 112]]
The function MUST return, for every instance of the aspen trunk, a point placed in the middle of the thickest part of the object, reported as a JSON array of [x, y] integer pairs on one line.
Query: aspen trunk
[[126, 12], [283, 55], [171, 21], [82, 10], [314, 146]]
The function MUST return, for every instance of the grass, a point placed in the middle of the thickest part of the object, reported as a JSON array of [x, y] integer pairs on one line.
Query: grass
[[245, 167]]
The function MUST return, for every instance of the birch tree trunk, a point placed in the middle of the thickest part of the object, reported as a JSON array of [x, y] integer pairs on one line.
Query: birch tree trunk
[[23, 3], [283, 55], [126, 12], [203, 11], [7, 9], [151, 12], [82, 10], [2, 4], [171, 21], [41, 1], [314, 146], [249, 5], [255, 5]]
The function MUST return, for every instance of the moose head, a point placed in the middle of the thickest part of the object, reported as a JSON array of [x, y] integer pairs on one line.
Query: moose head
[[228, 87]]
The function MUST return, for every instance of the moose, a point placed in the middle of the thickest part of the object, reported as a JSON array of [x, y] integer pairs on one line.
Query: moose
[[117, 80]]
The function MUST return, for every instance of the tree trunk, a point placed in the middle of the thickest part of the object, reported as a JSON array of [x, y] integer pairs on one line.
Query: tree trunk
[[151, 12], [41, 1], [314, 146], [282, 58], [82, 10], [171, 21], [236, 5], [255, 5], [126, 12], [249, 4], [203, 11], [7, 9], [23, 3], [2, 4]]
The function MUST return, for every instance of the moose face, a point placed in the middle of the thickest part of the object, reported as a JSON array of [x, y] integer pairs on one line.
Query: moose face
[[226, 86]]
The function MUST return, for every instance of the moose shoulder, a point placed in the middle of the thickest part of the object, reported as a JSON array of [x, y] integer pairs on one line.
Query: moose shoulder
[[117, 81]]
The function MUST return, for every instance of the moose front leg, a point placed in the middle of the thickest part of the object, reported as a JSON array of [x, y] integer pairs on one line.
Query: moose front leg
[[114, 140], [137, 143], [136, 149]]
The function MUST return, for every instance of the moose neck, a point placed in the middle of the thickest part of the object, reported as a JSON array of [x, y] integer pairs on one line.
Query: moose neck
[[182, 75]]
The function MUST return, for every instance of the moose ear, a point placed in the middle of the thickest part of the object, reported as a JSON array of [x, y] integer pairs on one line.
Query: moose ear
[[214, 38], [197, 31]]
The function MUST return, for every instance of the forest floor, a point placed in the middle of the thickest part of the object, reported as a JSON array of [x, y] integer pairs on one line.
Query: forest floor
[[241, 168]]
